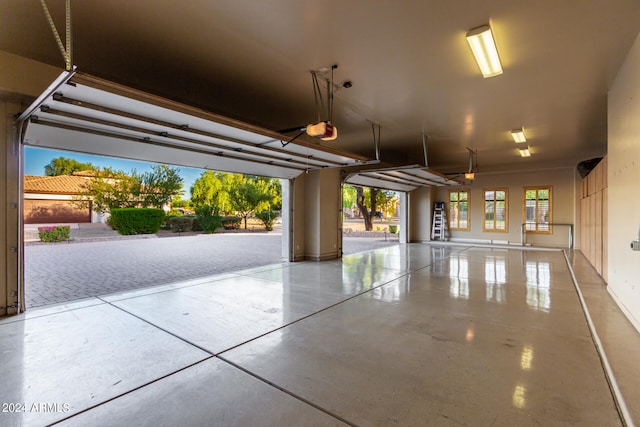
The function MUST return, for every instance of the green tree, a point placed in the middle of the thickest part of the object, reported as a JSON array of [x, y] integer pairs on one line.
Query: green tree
[[179, 202], [248, 195], [387, 200], [348, 196], [65, 166], [367, 209], [160, 186], [207, 190], [237, 193], [110, 189]]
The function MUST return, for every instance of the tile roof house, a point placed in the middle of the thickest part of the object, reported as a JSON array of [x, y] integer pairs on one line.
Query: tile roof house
[[49, 199]]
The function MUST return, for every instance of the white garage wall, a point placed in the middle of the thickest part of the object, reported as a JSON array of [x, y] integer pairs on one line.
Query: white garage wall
[[623, 180]]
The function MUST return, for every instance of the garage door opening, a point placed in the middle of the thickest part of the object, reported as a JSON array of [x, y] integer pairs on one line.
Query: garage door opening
[[371, 217], [83, 114], [97, 260]]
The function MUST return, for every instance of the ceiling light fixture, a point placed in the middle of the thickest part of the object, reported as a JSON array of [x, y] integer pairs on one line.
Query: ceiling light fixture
[[484, 50], [524, 152], [518, 136]]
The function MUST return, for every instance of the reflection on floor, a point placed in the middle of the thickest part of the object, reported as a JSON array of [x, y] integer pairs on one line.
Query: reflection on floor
[[405, 335]]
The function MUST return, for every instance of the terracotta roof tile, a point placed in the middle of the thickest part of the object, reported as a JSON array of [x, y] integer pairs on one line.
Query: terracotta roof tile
[[62, 184], [89, 173]]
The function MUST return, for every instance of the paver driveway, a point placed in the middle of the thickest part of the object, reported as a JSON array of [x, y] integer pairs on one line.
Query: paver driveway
[[56, 273]]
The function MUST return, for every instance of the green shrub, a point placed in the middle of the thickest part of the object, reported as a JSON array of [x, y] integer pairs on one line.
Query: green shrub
[[231, 222], [267, 218], [54, 233], [181, 223], [208, 219], [393, 229], [196, 224], [137, 220], [173, 213]]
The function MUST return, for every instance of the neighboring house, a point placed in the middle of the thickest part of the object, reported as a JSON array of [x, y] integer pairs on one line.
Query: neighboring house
[[49, 199]]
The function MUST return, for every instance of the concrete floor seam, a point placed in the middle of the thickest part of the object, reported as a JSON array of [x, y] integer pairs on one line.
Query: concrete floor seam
[[132, 390], [158, 327], [373, 288], [219, 355], [286, 391], [311, 314], [204, 281], [17, 319], [440, 335]]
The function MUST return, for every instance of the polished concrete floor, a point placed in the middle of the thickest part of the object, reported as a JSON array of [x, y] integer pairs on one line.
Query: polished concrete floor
[[404, 335]]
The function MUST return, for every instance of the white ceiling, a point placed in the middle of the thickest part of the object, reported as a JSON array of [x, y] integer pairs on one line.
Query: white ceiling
[[411, 68]]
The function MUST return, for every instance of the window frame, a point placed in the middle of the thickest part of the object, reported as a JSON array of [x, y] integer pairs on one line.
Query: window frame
[[495, 202], [549, 222], [450, 217]]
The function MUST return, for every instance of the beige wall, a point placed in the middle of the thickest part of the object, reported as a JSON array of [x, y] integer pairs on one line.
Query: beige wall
[[23, 77], [21, 80], [623, 180], [298, 218], [562, 182], [420, 211], [322, 214]]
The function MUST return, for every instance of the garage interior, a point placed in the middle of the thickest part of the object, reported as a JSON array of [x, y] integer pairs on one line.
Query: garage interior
[[486, 328]]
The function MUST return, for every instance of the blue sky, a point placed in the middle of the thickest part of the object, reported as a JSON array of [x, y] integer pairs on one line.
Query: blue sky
[[35, 159]]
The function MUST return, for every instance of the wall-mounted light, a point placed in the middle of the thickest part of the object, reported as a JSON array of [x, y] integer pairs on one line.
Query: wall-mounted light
[[524, 152], [518, 136], [484, 50]]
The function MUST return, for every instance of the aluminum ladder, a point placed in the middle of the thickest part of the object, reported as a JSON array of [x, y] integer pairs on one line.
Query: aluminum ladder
[[439, 225]]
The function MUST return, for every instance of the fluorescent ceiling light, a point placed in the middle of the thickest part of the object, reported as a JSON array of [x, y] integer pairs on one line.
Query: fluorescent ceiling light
[[484, 50], [524, 152], [518, 136]]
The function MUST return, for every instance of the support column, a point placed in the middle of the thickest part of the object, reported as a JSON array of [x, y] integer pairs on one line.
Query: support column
[[10, 213], [287, 215], [420, 214], [404, 231], [21, 81], [322, 214]]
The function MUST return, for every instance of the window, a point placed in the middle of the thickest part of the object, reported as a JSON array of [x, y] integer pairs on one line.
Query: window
[[495, 210], [459, 210], [537, 210]]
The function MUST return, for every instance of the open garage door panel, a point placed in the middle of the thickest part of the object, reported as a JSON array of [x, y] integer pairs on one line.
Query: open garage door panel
[[406, 178], [84, 114]]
